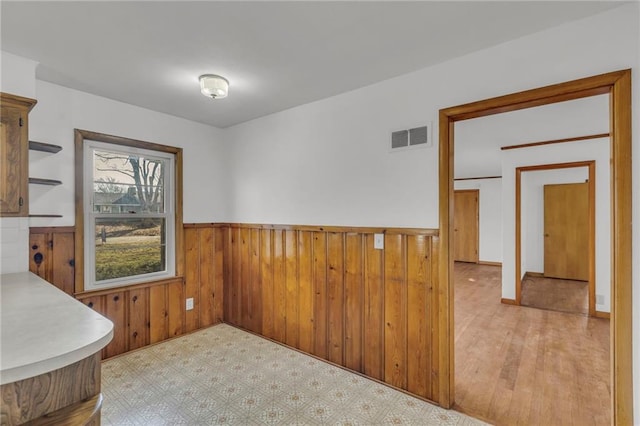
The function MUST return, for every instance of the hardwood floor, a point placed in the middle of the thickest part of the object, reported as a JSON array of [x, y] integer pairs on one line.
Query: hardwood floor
[[556, 294], [518, 365]]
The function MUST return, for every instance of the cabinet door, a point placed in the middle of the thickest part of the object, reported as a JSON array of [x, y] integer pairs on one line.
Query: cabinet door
[[13, 162], [63, 261]]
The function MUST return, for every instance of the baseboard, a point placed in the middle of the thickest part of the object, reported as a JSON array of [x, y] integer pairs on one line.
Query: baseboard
[[534, 274], [605, 315], [486, 262], [508, 301]]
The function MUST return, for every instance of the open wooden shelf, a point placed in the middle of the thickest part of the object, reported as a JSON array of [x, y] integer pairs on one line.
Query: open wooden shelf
[[45, 215], [40, 181], [44, 147]]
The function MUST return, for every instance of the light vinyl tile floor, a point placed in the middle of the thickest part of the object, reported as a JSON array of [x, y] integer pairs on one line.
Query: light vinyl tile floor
[[223, 375]]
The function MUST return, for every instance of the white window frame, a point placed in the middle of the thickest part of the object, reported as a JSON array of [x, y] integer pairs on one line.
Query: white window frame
[[90, 216]]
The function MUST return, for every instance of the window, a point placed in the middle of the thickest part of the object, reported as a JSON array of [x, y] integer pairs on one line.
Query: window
[[128, 210]]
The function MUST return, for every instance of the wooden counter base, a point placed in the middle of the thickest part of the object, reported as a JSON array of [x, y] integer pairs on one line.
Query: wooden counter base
[[75, 385]]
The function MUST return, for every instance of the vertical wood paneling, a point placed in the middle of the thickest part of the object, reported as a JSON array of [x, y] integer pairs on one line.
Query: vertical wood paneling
[[63, 261], [291, 278], [320, 294], [418, 333], [373, 305], [158, 314], [395, 315], [138, 318], [245, 277], [38, 247], [234, 305], [305, 291], [255, 283], [353, 302], [433, 323], [218, 276], [192, 276], [279, 288], [115, 306], [208, 298], [330, 293], [266, 273], [175, 308], [335, 292]]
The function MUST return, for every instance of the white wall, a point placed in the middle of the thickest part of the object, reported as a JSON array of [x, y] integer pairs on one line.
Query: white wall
[[60, 110], [490, 211], [532, 213]]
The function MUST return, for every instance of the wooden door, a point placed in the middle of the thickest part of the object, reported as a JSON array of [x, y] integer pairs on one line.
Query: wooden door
[[566, 231], [465, 225], [12, 155]]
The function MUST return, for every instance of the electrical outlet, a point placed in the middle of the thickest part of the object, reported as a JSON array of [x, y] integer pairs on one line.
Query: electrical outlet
[[189, 303], [378, 241]]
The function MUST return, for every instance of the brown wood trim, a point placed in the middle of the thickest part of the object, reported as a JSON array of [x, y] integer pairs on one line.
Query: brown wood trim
[[478, 178], [345, 229], [119, 140], [489, 263], [621, 305], [576, 139], [21, 101], [80, 136], [603, 315], [534, 274], [179, 229], [508, 301], [50, 229], [591, 165], [618, 85], [79, 199], [94, 293], [205, 225]]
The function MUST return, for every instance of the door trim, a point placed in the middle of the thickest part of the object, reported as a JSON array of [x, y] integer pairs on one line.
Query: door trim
[[618, 85], [591, 165]]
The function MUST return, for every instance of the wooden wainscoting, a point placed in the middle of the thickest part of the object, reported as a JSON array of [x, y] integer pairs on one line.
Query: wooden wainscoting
[[145, 313], [327, 291]]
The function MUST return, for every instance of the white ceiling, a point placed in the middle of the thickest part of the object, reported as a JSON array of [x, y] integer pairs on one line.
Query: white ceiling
[[276, 55]]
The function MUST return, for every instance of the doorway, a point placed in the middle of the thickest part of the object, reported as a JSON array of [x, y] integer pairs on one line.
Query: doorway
[[582, 265], [618, 86]]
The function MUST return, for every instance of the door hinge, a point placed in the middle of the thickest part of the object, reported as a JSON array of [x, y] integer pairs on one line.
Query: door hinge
[[21, 122], [20, 201]]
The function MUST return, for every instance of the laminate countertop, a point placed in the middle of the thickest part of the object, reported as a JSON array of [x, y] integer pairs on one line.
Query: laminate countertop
[[43, 329]]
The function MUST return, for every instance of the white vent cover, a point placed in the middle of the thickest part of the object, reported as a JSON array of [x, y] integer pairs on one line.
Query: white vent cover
[[407, 139]]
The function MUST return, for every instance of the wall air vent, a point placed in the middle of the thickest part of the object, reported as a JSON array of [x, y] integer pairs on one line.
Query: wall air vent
[[400, 139], [412, 138]]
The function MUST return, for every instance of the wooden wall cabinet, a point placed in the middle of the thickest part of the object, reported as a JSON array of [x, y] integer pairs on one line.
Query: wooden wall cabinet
[[14, 154]]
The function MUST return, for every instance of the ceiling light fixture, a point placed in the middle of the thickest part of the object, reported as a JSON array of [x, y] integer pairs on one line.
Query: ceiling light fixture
[[213, 86]]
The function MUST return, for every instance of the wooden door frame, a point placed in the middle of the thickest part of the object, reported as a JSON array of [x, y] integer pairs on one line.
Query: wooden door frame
[[591, 166], [618, 85], [477, 191]]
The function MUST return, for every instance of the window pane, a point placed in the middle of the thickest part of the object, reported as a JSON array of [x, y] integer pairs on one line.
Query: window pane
[[127, 183], [128, 247]]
